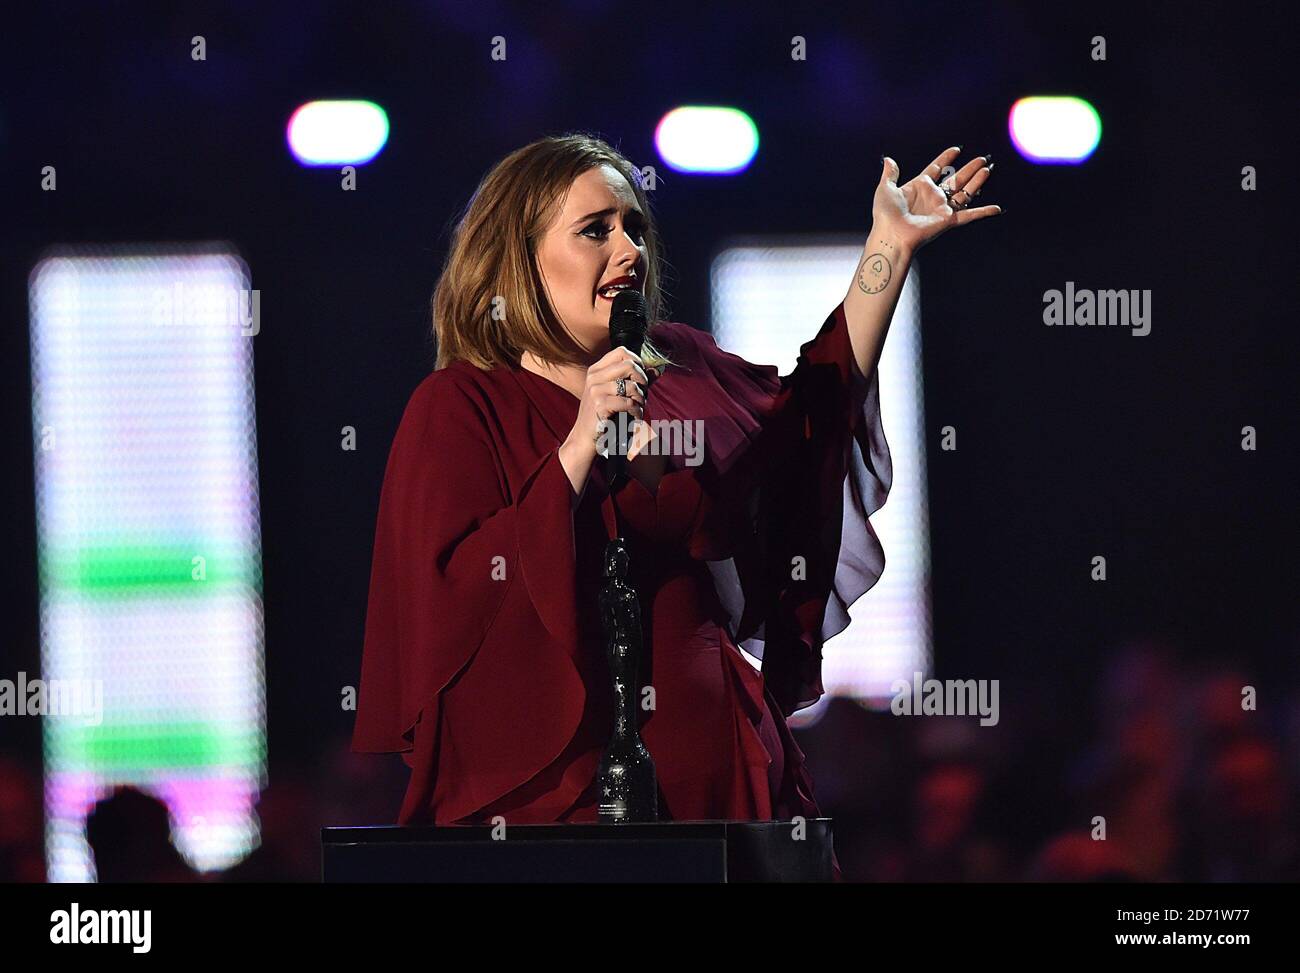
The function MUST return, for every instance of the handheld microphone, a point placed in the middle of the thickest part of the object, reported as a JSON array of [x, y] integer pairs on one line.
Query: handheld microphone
[[627, 329]]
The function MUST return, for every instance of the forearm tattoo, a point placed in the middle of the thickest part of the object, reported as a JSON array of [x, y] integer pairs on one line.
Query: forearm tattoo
[[875, 272]]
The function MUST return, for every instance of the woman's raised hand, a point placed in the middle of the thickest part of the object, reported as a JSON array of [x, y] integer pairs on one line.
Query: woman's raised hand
[[919, 210]]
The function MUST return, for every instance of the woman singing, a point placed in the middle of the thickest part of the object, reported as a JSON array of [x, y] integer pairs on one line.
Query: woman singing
[[484, 662]]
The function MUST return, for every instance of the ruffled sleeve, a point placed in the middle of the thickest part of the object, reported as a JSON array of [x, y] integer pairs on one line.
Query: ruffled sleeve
[[455, 555], [816, 466]]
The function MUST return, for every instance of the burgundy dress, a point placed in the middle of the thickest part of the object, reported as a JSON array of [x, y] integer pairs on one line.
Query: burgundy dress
[[484, 662]]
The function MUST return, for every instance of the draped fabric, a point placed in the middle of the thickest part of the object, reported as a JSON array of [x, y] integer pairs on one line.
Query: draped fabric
[[483, 661]]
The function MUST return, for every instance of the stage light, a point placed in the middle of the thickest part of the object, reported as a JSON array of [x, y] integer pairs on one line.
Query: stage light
[[771, 296], [707, 139], [1054, 130], [334, 133], [148, 541]]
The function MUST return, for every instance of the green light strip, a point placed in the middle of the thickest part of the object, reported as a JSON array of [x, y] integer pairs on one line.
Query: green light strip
[[152, 745], [130, 569]]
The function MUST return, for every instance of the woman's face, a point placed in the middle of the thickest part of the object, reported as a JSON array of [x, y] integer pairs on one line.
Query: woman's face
[[595, 240]]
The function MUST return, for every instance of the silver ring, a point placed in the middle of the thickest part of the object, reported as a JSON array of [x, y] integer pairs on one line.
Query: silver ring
[[949, 193], [620, 387]]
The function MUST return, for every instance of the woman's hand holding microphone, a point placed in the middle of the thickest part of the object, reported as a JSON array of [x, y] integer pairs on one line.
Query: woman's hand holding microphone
[[599, 402]]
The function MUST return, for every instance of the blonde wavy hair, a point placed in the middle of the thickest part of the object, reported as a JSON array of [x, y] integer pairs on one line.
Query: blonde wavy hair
[[492, 262]]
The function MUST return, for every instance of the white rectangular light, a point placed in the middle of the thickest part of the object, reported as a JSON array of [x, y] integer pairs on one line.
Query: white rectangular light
[[149, 541], [771, 295]]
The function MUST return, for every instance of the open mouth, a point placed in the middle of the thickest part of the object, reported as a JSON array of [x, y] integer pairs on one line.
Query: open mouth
[[609, 292]]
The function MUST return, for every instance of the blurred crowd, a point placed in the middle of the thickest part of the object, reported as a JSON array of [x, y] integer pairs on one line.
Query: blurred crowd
[[1163, 776]]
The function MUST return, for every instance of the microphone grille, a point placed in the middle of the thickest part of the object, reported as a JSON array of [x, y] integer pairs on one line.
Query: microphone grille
[[627, 320]]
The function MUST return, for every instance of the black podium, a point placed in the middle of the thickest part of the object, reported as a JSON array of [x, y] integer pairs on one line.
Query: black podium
[[664, 851]]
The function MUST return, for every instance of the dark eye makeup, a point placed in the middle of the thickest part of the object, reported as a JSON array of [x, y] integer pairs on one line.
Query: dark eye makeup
[[634, 225]]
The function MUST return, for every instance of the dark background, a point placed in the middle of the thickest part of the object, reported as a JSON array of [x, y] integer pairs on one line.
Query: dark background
[[1072, 442]]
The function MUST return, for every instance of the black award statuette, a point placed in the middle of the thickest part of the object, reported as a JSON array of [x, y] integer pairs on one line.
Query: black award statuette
[[626, 789]]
